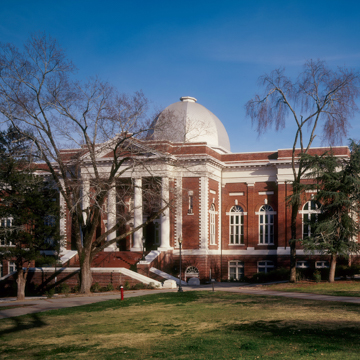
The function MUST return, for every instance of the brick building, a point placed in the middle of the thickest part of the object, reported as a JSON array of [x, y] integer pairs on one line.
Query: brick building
[[229, 208]]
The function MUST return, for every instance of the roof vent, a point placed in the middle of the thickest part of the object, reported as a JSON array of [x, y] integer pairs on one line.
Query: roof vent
[[188, 99]]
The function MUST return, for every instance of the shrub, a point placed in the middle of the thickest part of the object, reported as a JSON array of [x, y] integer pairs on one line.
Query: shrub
[[50, 293], [274, 275], [127, 285], [347, 271], [317, 276], [63, 288], [151, 285], [95, 287], [302, 274], [109, 287], [75, 289], [139, 286]]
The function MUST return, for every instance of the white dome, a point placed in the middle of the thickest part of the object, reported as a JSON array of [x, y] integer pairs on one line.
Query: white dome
[[188, 121]]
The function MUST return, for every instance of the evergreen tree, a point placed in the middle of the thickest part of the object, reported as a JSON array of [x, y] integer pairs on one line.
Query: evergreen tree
[[338, 191], [29, 210]]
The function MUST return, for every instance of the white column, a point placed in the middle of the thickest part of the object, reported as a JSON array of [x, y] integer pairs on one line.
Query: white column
[[85, 200], [63, 241], [165, 216], [204, 212], [138, 215], [179, 208], [111, 216]]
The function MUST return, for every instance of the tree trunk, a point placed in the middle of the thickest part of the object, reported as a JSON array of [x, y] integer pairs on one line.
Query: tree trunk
[[332, 268], [85, 273], [294, 211], [21, 282]]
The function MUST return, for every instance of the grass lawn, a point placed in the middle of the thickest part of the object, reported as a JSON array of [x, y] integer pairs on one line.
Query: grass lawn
[[189, 325], [338, 288]]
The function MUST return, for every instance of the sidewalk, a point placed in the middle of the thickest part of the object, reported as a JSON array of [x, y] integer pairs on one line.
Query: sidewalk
[[34, 305]]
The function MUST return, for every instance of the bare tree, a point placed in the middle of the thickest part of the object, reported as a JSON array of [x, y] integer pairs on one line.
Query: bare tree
[[320, 96], [74, 125]]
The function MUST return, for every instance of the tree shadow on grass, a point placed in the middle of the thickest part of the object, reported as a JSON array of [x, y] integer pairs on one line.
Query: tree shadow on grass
[[21, 323], [328, 335]]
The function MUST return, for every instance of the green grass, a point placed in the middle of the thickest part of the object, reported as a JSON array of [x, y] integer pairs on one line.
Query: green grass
[[338, 288], [189, 325]]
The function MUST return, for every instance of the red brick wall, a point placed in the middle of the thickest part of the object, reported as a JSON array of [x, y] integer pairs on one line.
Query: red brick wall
[[190, 223]]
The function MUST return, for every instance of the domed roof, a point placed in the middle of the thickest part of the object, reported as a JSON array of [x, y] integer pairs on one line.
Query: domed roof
[[188, 121]]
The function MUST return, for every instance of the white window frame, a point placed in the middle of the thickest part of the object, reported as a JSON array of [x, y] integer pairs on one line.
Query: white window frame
[[236, 225], [191, 203], [6, 222], [267, 265], [266, 213], [312, 213], [302, 264], [11, 267], [212, 213], [322, 264], [238, 266]]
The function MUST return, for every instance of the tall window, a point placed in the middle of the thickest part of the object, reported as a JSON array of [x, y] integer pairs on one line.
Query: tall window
[[236, 270], [310, 216], [12, 267], [212, 224], [190, 209], [236, 225], [266, 225], [4, 223]]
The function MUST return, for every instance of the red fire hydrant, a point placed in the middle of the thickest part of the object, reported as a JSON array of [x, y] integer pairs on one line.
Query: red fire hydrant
[[122, 292]]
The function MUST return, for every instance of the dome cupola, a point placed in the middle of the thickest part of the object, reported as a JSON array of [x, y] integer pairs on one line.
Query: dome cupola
[[188, 121]]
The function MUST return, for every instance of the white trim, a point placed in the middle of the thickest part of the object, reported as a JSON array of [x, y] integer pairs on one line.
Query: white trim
[[203, 213], [229, 213], [241, 193], [219, 216], [266, 193], [213, 192], [212, 228], [268, 212]]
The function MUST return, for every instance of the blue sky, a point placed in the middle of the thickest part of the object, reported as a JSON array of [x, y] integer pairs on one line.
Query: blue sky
[[214, 51]]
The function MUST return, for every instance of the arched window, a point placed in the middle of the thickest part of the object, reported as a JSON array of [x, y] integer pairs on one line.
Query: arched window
[[266, 225], [310, 216], [191, 272], [212, 225], [236, 225]]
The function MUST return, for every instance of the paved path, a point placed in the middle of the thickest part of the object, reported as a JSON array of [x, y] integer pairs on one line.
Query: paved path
[[34, 305]]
